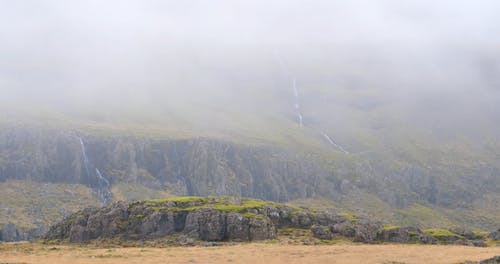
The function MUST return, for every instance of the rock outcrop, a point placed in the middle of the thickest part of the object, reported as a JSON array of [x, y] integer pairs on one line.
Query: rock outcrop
[[208, 219], [493, 260], [495, 235], [403, 235], [365, 231], [11, 233], [233, 219]]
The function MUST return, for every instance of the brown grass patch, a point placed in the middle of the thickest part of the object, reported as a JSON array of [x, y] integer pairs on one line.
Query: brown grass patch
[[244, 253]]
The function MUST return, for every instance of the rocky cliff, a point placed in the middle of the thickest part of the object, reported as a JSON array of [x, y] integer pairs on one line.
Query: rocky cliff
[[189, 167], [207, 166], [106, 162]]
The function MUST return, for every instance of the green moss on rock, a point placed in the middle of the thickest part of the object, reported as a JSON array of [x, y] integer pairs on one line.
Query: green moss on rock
[[350, 216], [440, 234], [390, 227]]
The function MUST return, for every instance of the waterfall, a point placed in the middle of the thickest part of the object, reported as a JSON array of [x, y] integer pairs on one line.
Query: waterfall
[[300, 117], [297, 103], [103, 189], [286, 72], [85, 158], [103, 185], [333, 143]]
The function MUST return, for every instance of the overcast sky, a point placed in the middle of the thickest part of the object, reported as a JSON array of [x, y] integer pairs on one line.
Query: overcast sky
[[424, 53]]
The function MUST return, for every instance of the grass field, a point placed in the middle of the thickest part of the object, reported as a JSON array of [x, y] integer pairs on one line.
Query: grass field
[[244, 253]]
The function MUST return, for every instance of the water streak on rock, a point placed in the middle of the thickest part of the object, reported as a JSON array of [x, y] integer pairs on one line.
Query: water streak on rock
[[103, 188], [333, 143], [297, 103]]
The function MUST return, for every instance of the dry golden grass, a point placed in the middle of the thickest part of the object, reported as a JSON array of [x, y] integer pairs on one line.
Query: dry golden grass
[[244, 253]]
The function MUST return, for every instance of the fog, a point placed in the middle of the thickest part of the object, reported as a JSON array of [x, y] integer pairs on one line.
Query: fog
[[433, 64]]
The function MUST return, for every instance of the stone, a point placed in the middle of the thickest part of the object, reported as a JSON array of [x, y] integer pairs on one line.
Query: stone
[[399, 234], [495, 235], [211, 224], [302, 220], [493, 260], [238, 228], [261, 229], [321, 232], [466, 233]]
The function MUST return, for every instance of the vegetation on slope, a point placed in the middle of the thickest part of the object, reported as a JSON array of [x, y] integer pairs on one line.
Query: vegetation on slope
[[32, 204]]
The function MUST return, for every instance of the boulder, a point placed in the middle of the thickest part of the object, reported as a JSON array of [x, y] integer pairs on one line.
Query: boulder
[[400, 234], [238, 227], [321, 232], [493, 260], [495, 235], [211, 225], [466, 233], [346, 229], [426, 239], [366, 231], [477, 243], [302, 220], [361, 231], [261, 228]]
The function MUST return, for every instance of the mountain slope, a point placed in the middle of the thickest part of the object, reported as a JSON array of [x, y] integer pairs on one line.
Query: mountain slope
[[142, 166]]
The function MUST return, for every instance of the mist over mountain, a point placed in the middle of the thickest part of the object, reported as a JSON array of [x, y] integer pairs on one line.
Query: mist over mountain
[[154, 55], [347, 100]]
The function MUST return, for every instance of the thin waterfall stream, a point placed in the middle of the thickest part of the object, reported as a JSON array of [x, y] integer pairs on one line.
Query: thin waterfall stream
[[300, 117], [333, 143], [298, 110], [103, 188]]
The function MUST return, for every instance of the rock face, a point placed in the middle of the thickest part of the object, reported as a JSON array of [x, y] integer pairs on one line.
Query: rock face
[[209, 166], [208, 219], [493, 260], [198, 166], [360, 231], [11, 233], [402, 235], [203, 166], [232, 219], [369, 232], [495, 235]]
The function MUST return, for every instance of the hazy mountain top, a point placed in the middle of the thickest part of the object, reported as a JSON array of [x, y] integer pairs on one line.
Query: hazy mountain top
[[433, 64], [354, 77]]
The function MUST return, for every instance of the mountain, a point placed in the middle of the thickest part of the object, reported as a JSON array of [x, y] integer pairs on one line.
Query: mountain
[[386, 110], [51, 167]]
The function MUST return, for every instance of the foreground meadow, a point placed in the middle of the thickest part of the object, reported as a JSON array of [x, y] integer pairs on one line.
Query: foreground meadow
[[244, 253]]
